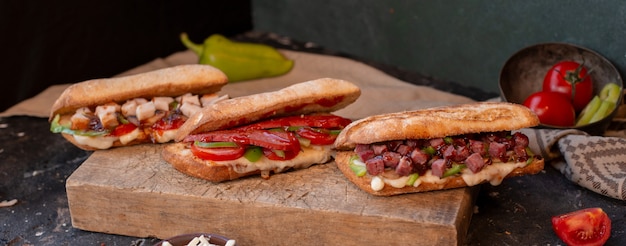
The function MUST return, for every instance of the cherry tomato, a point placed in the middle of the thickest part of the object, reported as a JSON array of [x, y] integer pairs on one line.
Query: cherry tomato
[[552, 108], [218, 153], [123, 129], [591, 226], [570, 79], [317, 136]]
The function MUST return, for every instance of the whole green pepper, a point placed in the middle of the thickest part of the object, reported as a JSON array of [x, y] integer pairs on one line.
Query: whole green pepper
[[239, 60]]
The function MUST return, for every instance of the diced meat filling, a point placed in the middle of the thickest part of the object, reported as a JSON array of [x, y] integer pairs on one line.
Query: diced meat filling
[[438, 155], [108, 114], [140, 111]]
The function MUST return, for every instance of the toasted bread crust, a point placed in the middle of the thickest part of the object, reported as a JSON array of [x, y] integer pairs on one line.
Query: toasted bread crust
[[172, 81], [437, 122], [315, 96], [342, 159]]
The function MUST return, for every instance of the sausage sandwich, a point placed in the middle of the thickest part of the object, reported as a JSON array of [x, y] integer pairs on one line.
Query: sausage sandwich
[[271, 132]]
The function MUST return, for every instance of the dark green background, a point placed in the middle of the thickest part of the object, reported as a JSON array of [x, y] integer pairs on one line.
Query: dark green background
[[456, 40]]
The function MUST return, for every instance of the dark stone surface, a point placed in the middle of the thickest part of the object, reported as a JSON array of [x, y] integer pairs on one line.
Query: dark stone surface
[[36, 163]]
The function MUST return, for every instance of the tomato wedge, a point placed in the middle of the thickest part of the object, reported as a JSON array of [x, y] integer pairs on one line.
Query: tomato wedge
[[327, 121], [591, 226], [123, 129], [218, 153], [317, 136]]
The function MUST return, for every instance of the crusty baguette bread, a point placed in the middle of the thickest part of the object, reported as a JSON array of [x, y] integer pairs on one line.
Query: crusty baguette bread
[[183, 160], [437, 122], [342, 159], [315, 96], [171, 82]]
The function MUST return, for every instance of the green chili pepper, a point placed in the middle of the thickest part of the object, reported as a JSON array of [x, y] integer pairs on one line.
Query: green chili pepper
[[239, 60]]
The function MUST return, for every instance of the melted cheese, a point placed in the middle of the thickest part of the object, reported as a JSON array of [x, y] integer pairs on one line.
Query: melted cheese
[[95, 142], [128, 137], [306, 158], [166, 136], [494, 174]]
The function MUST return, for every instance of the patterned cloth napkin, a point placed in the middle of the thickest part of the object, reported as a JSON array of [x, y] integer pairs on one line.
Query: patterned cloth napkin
[[597, 163]]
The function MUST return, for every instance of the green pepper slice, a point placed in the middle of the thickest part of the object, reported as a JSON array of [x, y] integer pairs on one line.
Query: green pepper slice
[[253, 153], [215, 144], [56, 127], [359, 170], [456, 168], [412, 178]]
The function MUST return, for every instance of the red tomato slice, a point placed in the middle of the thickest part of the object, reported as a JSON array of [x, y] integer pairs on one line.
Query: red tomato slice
[[288, 155], [317, 136], [218, 153], [123, 129], [591, 226], [328, 121], [570, 79]]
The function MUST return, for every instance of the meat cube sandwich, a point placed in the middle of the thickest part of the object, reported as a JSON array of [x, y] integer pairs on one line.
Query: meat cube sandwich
[[271, 132], [437, 148], [141, 108]]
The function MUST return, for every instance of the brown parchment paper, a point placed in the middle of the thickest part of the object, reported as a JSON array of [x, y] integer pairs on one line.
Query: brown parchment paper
[[381, 93]]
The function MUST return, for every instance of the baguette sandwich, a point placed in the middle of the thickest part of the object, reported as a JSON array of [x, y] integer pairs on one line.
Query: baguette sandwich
[[437, 148], [271, 132], [141, 108]]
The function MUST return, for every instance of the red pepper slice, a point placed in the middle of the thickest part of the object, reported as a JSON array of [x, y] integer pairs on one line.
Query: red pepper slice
[[327, 121], [267, 139], [169, 122], [123, 129]]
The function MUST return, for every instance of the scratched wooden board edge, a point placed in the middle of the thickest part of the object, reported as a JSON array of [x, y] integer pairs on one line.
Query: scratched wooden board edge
[[163, 218], [140, 169]]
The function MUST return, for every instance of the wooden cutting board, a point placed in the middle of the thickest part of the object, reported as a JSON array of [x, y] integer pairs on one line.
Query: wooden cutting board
[[132, 191]]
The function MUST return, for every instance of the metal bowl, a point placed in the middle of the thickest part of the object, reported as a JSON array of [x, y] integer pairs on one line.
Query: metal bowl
[[523, 74], [184, 239]]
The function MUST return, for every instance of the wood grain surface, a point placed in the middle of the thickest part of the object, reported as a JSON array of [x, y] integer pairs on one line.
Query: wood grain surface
[[132, 191]]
